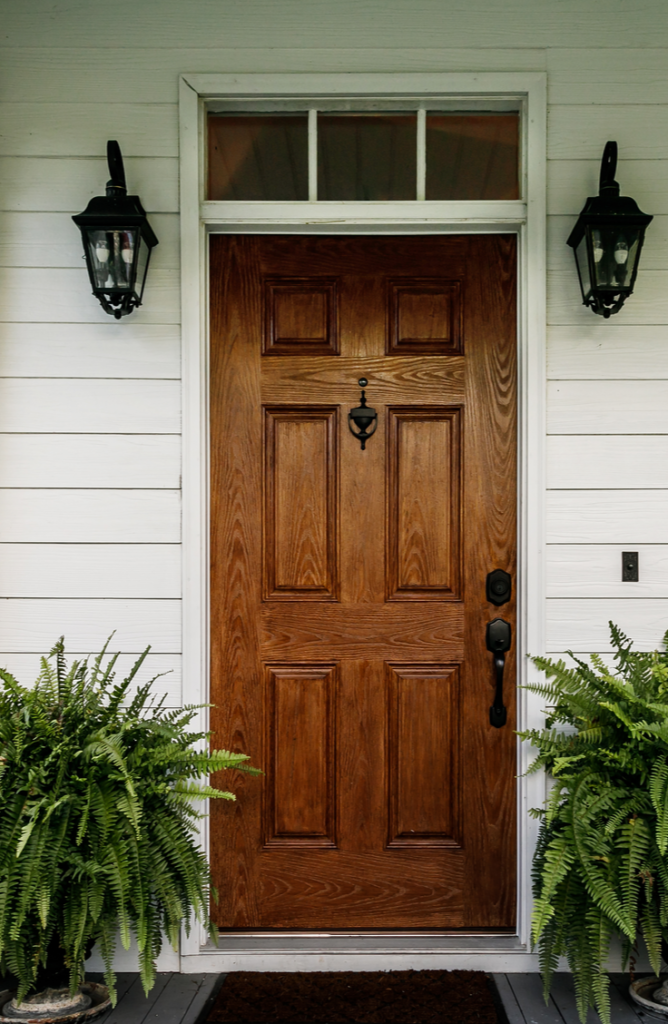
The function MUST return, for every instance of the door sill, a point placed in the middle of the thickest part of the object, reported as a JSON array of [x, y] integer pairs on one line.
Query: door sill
[[355, 951], [365, 942]]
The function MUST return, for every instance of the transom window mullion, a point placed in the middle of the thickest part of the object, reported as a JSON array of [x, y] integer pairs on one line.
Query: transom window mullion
[[313, 155], [421, 190]]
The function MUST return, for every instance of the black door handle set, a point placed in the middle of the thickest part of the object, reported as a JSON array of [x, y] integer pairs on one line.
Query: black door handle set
[[498, 637]]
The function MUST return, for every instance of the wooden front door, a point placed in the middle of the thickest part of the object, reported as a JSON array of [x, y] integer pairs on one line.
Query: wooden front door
[[348, 604]]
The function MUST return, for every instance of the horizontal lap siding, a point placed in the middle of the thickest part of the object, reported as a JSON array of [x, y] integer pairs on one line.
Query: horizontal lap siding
[[97, 571], [607, 393], [64, 295], [106, 349], [32, 624], [65, 184], [348, 24], [25, 667], [89, 516], [90, 420], [91, 460]]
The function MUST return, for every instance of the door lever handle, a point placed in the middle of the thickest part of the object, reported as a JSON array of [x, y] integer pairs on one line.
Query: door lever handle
[[498, 637]]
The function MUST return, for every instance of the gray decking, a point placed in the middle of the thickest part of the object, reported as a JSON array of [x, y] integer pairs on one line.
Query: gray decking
[[175, 999], [185, 998], [522, 998]]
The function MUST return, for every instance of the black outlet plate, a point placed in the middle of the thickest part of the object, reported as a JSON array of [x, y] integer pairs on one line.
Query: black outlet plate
[[630, 573]]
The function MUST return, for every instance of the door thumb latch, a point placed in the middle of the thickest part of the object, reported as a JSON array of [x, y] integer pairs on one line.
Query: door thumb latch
[[498, 639]]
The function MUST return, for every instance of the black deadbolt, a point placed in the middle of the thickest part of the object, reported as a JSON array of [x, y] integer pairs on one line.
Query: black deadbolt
[[499, 586]]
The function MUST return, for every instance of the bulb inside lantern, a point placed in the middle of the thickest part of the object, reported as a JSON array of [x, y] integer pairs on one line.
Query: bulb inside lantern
[[598, 247], [621, 251], [127, 250], [102, 251]]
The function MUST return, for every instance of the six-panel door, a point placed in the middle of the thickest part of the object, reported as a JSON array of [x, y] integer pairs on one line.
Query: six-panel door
[[348, 607]]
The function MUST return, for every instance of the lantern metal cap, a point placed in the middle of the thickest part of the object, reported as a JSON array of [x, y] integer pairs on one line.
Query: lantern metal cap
[[111, 212], [116, 208]]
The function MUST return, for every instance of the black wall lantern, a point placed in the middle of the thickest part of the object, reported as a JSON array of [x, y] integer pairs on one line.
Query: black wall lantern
[[607, 240], [117, 240]]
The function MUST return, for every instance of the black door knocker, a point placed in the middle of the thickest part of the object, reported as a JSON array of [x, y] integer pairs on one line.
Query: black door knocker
[[363, 417]]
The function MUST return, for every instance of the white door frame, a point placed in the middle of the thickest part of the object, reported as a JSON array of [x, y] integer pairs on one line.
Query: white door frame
[[527, 218]]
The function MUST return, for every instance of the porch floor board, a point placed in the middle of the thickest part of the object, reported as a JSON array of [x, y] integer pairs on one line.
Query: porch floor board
[[522, 999], [175, 998]]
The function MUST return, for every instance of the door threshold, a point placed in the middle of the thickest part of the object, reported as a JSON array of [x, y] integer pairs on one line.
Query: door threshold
[[355, 951], [365, 942]]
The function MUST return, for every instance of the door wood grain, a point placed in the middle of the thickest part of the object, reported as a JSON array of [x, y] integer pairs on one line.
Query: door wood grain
[[348, 607]]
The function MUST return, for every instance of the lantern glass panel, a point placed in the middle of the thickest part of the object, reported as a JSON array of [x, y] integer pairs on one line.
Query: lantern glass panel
[[112, 256], [615, 253], [582, 260], [142, 263]]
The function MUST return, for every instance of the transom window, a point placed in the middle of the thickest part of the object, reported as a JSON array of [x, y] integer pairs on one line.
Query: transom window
[[339, 155]]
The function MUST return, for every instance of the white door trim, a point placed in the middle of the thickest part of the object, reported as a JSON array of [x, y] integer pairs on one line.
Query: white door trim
[[526, 217]]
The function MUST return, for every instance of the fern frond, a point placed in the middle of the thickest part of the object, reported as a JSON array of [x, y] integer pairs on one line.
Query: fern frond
[[99, 795], [601, 863]]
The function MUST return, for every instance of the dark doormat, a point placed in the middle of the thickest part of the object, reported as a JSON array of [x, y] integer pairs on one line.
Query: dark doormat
[[356, 997]]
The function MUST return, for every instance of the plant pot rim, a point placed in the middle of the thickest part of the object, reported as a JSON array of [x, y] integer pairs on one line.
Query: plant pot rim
[[98, 993], [641, 992]]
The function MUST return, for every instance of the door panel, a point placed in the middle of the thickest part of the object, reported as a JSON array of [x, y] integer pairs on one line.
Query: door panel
[[348, 607], [300, 805], [301, 504], [424, 513], [423, 743]]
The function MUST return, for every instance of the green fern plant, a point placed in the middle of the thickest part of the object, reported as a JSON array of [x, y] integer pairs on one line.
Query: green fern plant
[[601, 863], [97, 819]]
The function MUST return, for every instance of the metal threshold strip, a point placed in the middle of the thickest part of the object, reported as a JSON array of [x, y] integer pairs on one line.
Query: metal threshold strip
[[366, 942]]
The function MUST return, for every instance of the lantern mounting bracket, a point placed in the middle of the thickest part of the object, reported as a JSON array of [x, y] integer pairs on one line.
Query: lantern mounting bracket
[[116, 169], [606, 179]]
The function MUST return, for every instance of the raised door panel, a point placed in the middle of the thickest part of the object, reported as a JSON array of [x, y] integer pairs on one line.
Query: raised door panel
[[424, 317], [300, 509], [300, 317], [423, 744], [424, 515], [300, 707]]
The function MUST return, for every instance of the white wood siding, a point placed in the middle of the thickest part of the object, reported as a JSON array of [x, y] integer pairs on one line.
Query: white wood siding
[[89, 408]]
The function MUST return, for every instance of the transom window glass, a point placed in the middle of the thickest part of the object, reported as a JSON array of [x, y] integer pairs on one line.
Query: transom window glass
[[472, 156], [258, 156], [363, 156], [367, 156]]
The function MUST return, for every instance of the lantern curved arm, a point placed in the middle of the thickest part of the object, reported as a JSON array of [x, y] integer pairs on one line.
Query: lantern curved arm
[[116, 168], [608, 168]]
